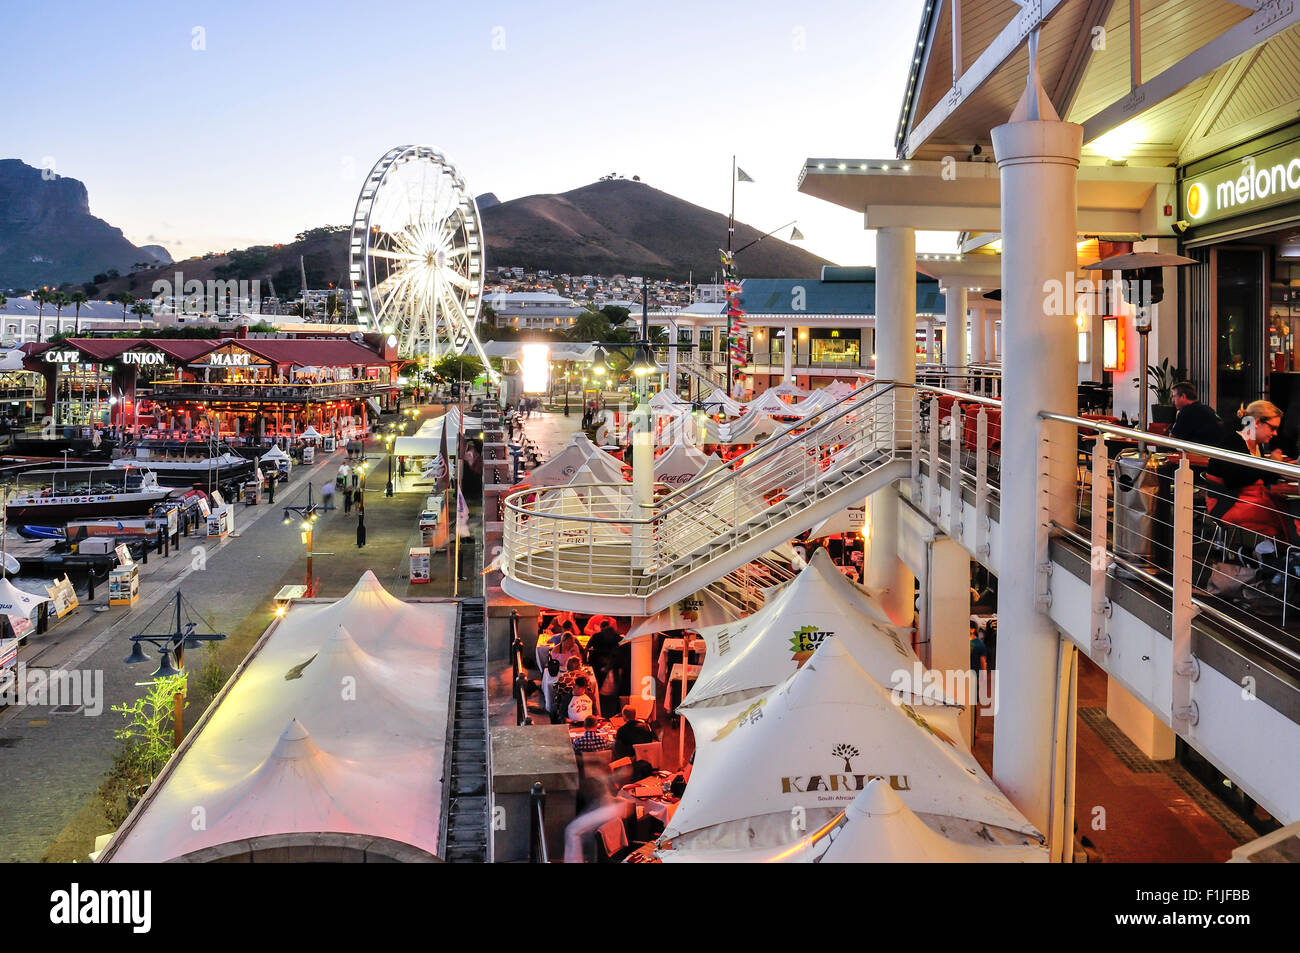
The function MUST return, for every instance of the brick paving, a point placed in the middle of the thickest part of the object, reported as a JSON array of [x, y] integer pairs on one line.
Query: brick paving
[[52, 764]]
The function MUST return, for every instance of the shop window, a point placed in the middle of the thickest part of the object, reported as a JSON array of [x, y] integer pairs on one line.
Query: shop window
[[835, 346]]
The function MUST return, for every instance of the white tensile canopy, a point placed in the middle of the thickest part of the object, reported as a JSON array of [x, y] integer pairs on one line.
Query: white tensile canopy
[[770, 402], [699, 611], [667, 402], [427, 441], [310, 433], [812, 743], [679, 465], [560, 469], [748, 657], [877, 828], [684, 428], [837, 389], [284, 752], [598, 468], [851, 520], [275, 453], [787, 389], [13, 601]]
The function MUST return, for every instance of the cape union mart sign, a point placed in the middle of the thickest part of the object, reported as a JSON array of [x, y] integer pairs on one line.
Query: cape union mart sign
[[1256, 182]]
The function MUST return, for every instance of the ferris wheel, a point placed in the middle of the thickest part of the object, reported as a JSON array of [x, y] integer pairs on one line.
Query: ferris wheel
[[417, 255]]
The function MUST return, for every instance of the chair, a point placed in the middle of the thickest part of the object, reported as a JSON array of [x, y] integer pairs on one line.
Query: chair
[[651, 751], [594, 764]]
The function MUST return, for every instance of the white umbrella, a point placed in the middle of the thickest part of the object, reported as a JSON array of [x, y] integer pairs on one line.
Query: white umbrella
[[679, 464], [850, 520], [787, 389], [808, 747], [310, 432]]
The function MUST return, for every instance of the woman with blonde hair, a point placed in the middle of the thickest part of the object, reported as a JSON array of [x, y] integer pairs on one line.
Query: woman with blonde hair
[[1246, 498]]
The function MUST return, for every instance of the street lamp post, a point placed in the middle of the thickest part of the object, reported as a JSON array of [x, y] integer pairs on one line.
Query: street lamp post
[[181, 637], [309, 516]]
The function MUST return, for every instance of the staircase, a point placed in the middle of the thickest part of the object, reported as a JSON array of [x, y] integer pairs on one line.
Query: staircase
[[597, 549], [467, 776]]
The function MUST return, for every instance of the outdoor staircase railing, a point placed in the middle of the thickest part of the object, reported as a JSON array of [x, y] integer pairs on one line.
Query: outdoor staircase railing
[[598, 539]]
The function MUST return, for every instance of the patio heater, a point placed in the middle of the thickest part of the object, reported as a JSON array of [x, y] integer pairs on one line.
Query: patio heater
[[1143, 287]]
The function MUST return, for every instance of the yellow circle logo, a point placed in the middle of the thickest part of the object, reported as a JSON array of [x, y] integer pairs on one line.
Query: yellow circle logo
[[1197, 200]]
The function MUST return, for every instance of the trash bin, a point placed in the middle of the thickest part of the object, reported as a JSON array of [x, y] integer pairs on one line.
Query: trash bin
[[1136, 487]]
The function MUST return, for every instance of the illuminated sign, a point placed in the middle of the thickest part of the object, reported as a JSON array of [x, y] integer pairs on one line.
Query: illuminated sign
[[536, 368], [1112, 344], [234, 359], [62, 357], [1270, 178], [143, 357]]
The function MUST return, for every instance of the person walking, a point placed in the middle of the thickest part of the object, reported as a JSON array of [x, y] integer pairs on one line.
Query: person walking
[[270, 484], [347, 501], [327, 494], [361, 531]]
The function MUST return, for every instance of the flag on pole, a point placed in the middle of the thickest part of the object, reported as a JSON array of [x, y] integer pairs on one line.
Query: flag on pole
[[440, 532], [462, 515], [442, 466], [742, 176]]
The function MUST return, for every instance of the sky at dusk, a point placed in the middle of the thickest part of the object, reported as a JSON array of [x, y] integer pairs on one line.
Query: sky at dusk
[[207, 126]]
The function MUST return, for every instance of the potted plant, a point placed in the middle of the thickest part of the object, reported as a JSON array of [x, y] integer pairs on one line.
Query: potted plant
[[147, 738], [1161, 378]]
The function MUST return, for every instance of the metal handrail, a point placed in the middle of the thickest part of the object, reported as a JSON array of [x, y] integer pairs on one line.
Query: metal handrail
[[517, 670], [962, 395], [1289, 470], [716, 479], [1206, 609], [537, 849]]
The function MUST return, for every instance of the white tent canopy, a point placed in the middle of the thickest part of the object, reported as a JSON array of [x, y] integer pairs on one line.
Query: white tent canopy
[[13, 601], [813, 743], [877, 828], [699, 611], [283, 752], [679, 464], [770, 402], [667, 402], [748, 657], [560, 469], [787, 389], [851, 520], [275, 453], [310, 433], [427, 441]]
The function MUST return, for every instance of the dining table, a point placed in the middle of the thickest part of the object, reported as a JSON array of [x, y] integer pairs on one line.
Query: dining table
[[677, 645], [649, 797]]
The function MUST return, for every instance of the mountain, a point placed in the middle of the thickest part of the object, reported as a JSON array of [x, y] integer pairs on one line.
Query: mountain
[[625, 227], [47, 234], [611, 227], [157, 254]]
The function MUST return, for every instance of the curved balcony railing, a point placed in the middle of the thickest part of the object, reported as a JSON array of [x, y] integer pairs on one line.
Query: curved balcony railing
[[598, 539], [266, 390]]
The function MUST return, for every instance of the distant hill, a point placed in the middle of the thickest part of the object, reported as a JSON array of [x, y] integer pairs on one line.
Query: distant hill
[[629, 228], [608, 228], [48, 236]]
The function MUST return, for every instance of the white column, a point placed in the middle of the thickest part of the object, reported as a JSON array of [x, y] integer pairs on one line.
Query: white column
[[947, 595], [643, 479], [672, 357], [787, 353], [1038, 161], [895, 361], [954, 326], [929, 342], [977, 334], [990, 336]]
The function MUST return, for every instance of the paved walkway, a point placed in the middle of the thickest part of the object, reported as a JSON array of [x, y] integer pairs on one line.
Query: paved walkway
[[53, 763]]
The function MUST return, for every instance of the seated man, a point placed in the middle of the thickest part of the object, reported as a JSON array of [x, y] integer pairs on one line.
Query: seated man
[[1196, 421], [634, 732], [580, 706], [591, 739]]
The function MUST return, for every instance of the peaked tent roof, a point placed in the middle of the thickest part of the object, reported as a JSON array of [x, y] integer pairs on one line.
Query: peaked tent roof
[[877, 828], [813, 742], [748, 657], [703, 610], [679, 464], [365, 762]]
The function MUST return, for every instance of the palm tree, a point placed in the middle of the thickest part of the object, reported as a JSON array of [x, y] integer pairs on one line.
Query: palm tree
[[589, 326], [42, 298], [125, 299], [60, 301], [140, 309], [78, 299]]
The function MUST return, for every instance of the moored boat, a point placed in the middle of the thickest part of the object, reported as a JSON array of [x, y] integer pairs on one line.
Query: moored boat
[[52, 497]]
